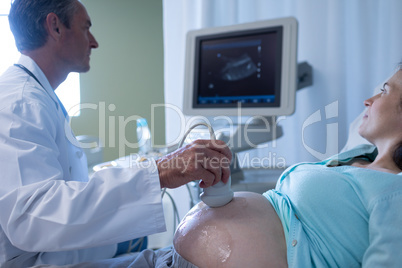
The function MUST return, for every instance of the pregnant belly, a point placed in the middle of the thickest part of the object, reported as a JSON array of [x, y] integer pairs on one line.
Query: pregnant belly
[[245, 233]]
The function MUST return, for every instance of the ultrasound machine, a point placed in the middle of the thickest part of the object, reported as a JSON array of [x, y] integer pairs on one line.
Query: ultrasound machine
[[239, 79]]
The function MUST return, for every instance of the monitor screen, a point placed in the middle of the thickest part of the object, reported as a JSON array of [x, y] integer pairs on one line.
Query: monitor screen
[[243, 67], [251, 66]]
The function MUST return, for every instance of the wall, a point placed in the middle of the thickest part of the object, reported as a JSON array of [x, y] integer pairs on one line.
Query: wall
[[126, 75]]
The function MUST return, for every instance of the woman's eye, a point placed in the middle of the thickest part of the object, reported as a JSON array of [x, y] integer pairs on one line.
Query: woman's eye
[[383, 90]]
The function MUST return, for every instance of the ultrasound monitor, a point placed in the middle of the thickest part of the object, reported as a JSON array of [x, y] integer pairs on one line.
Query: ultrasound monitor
[[250, 66]]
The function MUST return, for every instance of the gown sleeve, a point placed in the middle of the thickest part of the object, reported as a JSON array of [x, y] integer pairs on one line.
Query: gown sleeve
[[385, 234]]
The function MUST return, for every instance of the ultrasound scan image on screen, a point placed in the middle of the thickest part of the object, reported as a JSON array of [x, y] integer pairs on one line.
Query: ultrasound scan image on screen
[[244, 68]]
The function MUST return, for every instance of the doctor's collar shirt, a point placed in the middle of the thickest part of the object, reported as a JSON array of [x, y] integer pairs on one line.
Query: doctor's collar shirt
[[51, 212]]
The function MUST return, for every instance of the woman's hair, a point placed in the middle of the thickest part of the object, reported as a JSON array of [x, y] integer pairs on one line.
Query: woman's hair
[[397, 157], [27, 19]]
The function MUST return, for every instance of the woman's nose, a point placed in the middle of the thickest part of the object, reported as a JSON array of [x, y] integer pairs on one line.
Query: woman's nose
[[370, 101]]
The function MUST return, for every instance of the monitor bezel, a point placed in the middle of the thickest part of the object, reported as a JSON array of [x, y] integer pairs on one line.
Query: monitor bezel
[[289, 27]]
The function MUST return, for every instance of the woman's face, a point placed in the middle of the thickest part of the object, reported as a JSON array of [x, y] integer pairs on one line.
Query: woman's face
[[383, 118]]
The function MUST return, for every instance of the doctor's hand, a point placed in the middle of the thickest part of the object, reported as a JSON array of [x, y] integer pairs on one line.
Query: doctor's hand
[[204, 160]]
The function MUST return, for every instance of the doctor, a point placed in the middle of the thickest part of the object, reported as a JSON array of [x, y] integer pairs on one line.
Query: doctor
[[50, 211]]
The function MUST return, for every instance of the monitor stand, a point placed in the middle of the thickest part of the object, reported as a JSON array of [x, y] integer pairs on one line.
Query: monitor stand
[[246, 136], [239, 135]]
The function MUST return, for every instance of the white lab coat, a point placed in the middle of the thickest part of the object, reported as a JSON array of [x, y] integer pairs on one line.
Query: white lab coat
[[50, 212]]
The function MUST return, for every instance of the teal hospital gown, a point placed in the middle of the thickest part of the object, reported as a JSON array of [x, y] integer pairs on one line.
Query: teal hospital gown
[[337, 215]]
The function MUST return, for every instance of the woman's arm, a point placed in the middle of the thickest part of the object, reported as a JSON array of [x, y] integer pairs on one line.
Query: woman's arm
[[385, 234]]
